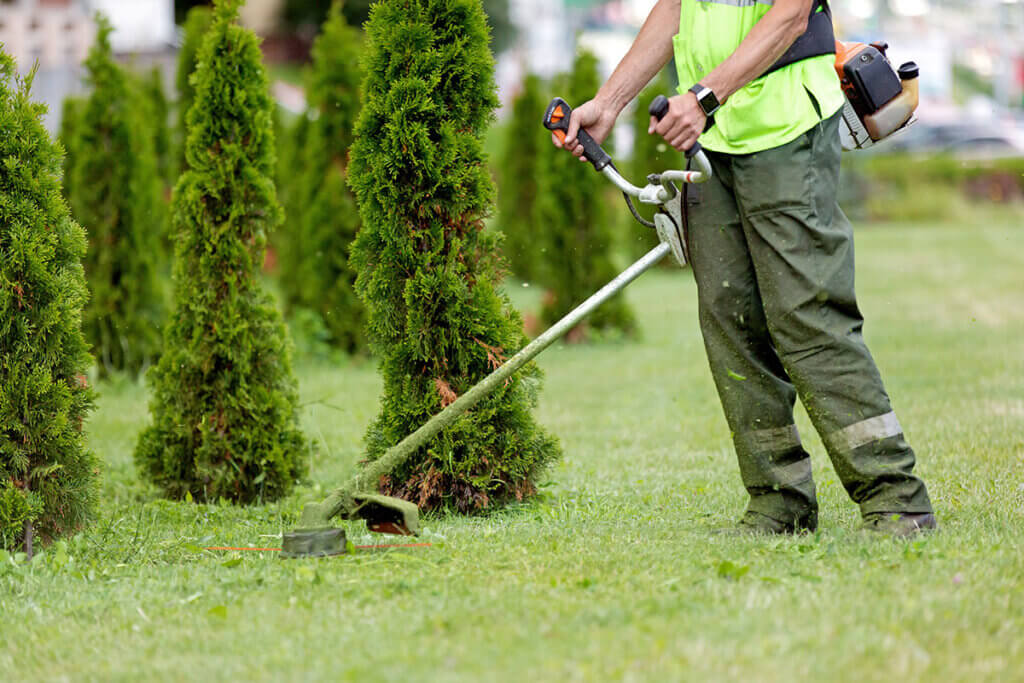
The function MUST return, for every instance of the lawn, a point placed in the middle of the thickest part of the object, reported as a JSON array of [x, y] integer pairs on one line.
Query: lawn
[[618, 571]]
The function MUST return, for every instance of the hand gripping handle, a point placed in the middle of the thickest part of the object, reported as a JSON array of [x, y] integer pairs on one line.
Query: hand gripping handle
[[658, 109], [556, 119]]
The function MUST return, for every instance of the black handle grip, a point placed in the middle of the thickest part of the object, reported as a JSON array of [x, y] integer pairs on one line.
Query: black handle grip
[[556, 119], [658, 109]]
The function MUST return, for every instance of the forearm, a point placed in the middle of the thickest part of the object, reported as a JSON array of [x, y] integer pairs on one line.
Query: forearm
[[767, 41], [649, 53]]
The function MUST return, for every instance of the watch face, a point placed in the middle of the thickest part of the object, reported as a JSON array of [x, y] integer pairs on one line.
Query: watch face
[[707, 100]]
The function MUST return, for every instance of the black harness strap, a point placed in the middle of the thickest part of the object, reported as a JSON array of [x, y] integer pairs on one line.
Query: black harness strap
[[819, 39]]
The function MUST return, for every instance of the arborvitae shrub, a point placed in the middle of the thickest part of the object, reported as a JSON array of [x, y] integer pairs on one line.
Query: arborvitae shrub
[[316, 275], [573, 218], [47, 475], [224, 399], [116, 196], [158, 124], [651, 154], [427, 269], [291, 151], [197, 22], [159, 127], [519, 180], [70, 112]]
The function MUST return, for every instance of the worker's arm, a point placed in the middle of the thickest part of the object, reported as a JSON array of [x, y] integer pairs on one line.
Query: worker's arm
[[649, 53], [767, 41]]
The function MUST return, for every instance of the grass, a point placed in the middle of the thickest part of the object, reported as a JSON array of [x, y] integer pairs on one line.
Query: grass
[[616, 572]]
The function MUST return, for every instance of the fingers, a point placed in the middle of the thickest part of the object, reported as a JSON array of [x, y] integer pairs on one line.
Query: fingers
[[574, 128], [683, 136], [681, 125], [575, 148], [683, 142], [668, 121], [587, 116]]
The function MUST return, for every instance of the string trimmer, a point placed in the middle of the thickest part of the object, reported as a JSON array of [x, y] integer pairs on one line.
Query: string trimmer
[[315, 536]]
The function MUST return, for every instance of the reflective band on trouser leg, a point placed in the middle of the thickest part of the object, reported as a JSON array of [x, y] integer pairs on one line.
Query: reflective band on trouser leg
[[875, 463], [776, 471], [864, 432], [773, 458], [770, 440]]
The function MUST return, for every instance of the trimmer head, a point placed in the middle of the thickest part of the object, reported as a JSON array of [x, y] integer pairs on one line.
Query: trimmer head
[[383, 514], [321, 542]]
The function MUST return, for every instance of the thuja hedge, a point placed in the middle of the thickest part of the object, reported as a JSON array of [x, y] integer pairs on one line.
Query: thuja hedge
[[158, 124], [197, 22], [47, 475], [224, 398], [427, 268], [115, 193], [525, 142], [315, 269], [291, 138], [573, 218], [70, 112]]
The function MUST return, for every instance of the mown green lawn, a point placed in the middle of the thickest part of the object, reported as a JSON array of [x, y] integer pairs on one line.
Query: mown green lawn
[[617, 571]]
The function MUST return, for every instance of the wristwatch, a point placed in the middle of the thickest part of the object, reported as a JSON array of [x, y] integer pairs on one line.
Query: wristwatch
[[706, 99]]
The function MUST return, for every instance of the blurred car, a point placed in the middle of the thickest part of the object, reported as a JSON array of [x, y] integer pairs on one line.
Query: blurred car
[[991, 140]]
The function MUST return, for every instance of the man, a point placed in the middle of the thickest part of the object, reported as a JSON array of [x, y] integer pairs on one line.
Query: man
[[772, 255]]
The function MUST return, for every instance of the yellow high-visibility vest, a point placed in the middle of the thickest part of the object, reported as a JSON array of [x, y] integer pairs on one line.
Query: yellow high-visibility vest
[[767, 112]]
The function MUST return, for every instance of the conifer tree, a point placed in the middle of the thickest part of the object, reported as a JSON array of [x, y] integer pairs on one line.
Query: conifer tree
[[427, 268], [197, 22], [651, 154], [224, 400], [70, 111], [48, 478], [525, 143], [316, 274], [152, 85], [572, 216], [291, 152], [159, 127], [116, 196]]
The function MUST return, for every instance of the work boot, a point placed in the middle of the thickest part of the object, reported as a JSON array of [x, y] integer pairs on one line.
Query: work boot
[[756, 523], [899, 524]]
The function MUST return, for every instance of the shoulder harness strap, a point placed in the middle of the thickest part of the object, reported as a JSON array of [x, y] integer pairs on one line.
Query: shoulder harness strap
[[819, 39]]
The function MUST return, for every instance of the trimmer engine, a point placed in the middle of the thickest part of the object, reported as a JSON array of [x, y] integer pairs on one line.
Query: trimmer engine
[[880, 100]]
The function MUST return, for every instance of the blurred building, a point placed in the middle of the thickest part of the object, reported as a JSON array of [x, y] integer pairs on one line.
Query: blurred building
[[56, 35], [545, 43], [140, 26]]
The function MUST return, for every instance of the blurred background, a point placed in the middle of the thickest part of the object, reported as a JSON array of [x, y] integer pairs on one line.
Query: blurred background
[[970, 122]]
